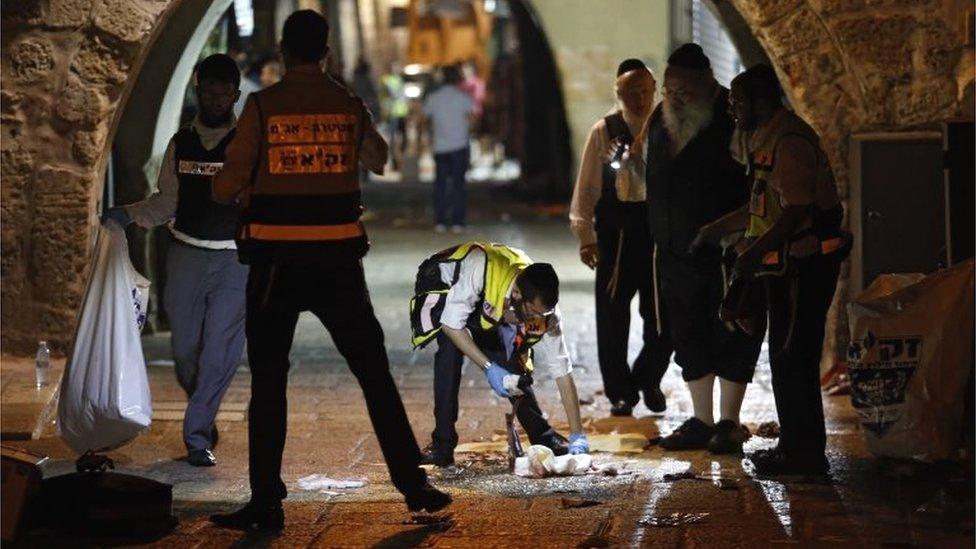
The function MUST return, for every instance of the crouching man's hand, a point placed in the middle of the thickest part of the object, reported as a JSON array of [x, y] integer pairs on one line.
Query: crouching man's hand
[[503, 382], [578, 444]]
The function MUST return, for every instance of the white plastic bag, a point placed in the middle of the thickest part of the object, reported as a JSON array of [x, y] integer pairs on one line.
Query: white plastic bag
[[540, 462], [910, 356], [104, 399]]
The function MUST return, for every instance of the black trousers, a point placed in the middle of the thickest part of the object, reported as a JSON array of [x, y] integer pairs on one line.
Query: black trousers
[[338, 296], [447, 382], [693, 289], [798, 307], [634, 276]]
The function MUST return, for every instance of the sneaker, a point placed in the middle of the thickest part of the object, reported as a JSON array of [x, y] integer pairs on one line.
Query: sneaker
[[201, 458], [433, 455], [779, 464], [440, 228], [252, 516], [693, 434], [655, 401], [728, 438], [428, 499], [621, 408]]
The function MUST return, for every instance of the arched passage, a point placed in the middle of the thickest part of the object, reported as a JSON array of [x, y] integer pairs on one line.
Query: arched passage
[[69, 68]]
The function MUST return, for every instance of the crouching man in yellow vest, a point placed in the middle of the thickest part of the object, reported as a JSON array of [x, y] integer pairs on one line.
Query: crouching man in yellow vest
[[491, 303]]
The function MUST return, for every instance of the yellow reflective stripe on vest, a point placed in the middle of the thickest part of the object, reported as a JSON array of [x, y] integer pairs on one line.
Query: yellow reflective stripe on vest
[[259, 231], [502, 265]]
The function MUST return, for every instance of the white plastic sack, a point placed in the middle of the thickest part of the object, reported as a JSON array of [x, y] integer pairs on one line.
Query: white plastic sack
[[104, 400], [540, 462], [910, 356]]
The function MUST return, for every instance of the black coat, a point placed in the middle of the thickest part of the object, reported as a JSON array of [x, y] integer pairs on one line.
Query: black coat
[[697, 187]]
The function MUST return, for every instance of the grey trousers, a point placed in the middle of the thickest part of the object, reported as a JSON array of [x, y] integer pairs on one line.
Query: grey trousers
[[205, 301]]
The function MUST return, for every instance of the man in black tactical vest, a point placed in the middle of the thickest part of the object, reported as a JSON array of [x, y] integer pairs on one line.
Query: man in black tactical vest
[[204, 296], [608, 215], [293, 168]]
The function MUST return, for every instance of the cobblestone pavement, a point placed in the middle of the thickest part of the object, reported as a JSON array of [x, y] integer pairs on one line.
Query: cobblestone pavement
[[328, 433]]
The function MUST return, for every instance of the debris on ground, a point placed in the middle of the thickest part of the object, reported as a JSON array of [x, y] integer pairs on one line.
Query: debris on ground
[[586, 401], [674, 519], [539, 461], [577, 503], [322, 483], [610, 469], [768, 429], [686, 475]]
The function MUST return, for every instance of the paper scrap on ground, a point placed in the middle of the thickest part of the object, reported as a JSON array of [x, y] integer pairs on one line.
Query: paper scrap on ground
[[540, 462], [324, 484]]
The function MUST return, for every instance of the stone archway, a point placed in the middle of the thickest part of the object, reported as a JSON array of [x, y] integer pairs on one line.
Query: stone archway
[[68, 67]]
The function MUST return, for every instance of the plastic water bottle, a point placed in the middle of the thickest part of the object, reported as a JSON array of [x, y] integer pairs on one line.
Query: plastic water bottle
[[43, 368]]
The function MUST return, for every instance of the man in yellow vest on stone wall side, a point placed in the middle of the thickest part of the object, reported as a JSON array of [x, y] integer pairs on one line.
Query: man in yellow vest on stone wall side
[[489, 302]]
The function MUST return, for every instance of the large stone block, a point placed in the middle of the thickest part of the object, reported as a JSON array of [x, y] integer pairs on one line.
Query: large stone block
[[876, 42], [127, 20], [99, 63], [15, 159], [800, 31], [68, 13], [811, 68], [59, 250], [80, 103], [31, 59], [762, 12], [923, 101], [87, 146], [55, 185]]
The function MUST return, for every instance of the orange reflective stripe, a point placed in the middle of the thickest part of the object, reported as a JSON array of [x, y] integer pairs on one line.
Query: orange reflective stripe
[[771, 258], [257, 231], [831, 246]]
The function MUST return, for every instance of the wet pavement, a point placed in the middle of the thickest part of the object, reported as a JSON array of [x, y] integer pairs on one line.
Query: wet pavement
[[641, 497]]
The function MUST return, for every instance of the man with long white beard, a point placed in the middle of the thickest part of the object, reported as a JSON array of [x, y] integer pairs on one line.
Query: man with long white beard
[[692, 180]]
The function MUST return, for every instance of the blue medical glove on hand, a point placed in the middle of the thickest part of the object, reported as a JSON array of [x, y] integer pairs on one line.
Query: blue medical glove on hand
[[496, 378], [578, 444], [117, 214]]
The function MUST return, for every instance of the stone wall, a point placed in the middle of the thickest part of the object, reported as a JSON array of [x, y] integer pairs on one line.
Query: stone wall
[[67, 65], [852, 66], [63, 76]]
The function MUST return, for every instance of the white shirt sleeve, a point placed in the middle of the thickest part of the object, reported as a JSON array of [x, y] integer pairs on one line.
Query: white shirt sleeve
[[551, 351], [465, 294], [160, 206]]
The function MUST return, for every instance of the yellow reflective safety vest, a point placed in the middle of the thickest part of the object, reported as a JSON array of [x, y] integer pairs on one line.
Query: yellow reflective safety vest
[[765, 206], [503, 264]]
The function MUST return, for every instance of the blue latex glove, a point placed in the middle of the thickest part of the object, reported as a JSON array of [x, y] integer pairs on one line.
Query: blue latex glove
[[117, 214], [496, 378], [578, 444]]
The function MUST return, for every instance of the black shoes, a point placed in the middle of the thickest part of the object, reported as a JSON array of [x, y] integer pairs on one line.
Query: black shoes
[[252, 516], [777, 464], [655, 401], [428, 499], [557, 443], [621, 408], [728, 438], [201, 458], [693, 434], [433, 455]]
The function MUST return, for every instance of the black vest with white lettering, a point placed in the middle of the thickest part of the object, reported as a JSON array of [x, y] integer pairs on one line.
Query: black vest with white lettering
[[197, 215]]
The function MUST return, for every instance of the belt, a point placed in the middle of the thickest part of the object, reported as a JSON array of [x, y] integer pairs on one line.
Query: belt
[[259, 231]]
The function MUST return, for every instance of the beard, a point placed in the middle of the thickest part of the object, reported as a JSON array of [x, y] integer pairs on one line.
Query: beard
[[683, 125]]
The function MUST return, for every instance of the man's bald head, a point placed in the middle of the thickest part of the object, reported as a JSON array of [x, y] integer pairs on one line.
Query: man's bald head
[[635, 90]]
